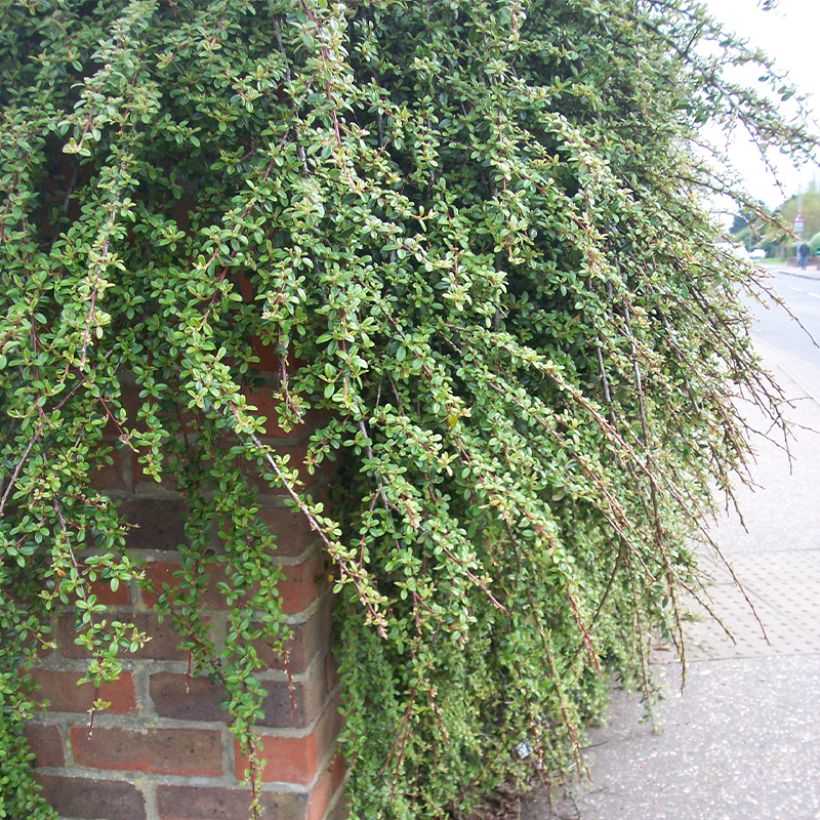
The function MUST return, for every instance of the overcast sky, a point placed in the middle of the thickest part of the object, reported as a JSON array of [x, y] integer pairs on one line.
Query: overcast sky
[[791, 35]]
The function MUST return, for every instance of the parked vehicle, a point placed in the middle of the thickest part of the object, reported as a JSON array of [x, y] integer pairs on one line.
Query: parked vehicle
[[738, 251]]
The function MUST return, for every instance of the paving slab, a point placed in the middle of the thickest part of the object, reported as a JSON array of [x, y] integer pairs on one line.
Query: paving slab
[[739, 742], [742, 740]]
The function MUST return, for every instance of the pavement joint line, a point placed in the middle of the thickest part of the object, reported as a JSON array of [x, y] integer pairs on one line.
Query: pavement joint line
[[741, 741], [758, 342], [744, 658]]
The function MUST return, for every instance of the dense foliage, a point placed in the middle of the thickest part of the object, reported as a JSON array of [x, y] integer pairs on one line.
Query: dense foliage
[[471, 229]]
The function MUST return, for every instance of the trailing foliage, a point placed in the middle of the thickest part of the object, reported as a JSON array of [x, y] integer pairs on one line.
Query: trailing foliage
[[474, 233]]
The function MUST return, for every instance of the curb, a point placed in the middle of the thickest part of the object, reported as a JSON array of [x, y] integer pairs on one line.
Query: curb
[[799, 275]]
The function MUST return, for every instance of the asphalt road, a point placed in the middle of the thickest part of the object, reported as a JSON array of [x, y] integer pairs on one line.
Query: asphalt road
[[777, 333]]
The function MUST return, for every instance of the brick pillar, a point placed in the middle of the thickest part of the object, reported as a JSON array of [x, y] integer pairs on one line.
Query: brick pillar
[[161, 751]]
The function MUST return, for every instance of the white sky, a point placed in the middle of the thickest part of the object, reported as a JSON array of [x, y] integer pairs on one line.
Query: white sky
[[791, 35]]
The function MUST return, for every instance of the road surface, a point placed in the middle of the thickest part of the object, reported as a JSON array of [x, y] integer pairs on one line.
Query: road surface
[[776, 332]]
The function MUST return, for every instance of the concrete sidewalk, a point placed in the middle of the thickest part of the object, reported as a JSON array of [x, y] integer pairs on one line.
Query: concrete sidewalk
[[741, 742], [810, 272]]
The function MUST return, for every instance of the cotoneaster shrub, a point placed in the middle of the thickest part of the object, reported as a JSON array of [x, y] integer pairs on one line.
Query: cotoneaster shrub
[[473, 232]]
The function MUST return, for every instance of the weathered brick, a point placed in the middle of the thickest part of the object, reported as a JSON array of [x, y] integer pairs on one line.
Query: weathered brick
[[308, 639], [202, 803], [144, 484], [292, 707], [295, 759], [46, 743], [303, 583], [164, 643], [160, 523], [326, 788], [331, 672], [160, 751], [181, 698], [110, 477], [296, 454], [120, 596], [84, 797], [163, 573], [263, 400], [110, 597], [291, 529], [131, 401], [158, 574], [60, 689]]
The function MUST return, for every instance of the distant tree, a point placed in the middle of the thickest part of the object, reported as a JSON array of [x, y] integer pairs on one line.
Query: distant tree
[[810, 208], [748, 236], [750, 224], [771, 246], [739, 224]]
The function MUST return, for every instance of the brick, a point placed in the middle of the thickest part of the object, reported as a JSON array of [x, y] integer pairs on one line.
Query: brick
[[164, 643], [163, 646], [331, 673], [160, 523], [159, 574], [144, 484], [131, 401], [268, 360], [202, 700], [202, 803], [110, 597], [326, 789], [159, 751], [303, 583], [338, 771], [263, 400], [85, 797], [47, 744], [296, 453], [307, 641], [290, 529], [295, 707], [110, 477], [180, 698], [295, 759], [319, 799], [340, 809], [60, 689]]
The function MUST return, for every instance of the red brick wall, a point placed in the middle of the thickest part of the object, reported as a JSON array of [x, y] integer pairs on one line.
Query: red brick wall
[[163, 749]]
